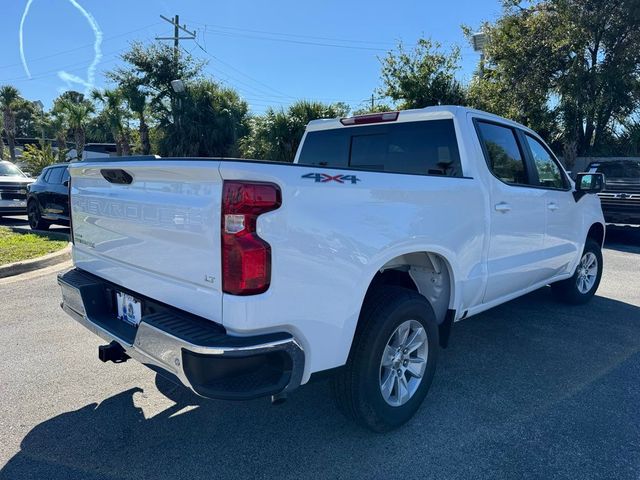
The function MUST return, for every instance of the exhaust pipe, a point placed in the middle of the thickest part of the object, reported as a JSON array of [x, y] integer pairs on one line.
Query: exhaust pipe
[[278, 398], [112, 353]]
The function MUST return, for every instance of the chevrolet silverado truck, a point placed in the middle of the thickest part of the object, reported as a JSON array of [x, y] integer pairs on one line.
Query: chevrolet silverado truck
[[242, 279], [620, 196]]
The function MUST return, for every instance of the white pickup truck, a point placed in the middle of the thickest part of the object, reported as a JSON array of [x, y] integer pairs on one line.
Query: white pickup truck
[[242, 279]]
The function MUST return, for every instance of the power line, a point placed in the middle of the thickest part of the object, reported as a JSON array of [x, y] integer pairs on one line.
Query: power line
[[298, 42], [57, 54], [331, 39], [59, 68], [220, 30]]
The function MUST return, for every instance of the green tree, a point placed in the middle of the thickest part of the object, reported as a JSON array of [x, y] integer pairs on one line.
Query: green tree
[[208, 121], [114, 116], [59, 125], [10, 100], [205, 119], [38, 157], [136, 99], [78, 113], [422, 77], [277, 134], [576, 60]]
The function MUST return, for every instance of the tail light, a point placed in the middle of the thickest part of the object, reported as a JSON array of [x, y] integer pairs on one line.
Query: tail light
[[246, 258]]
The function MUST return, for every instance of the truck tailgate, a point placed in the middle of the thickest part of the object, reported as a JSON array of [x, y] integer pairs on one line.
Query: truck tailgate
[[158, 235]]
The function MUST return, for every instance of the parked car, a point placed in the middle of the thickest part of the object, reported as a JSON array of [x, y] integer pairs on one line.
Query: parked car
[[48, 198], [13, 189], [242, 279], [621, 194]]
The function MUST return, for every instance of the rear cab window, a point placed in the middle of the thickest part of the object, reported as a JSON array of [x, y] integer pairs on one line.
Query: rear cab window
[[426, 147], [628, 169]]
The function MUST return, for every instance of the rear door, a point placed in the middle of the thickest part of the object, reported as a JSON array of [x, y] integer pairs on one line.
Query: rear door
[[153, 228], [517, 213], [52, 209], [58, 192]]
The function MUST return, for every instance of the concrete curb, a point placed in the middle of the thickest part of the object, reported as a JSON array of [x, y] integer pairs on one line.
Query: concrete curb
[[48, 260]]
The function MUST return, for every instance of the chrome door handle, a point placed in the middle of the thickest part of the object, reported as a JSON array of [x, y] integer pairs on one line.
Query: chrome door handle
[[552, 206], [503, 207]]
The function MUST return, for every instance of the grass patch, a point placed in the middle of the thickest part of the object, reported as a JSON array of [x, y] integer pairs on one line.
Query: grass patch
[[15, 247]]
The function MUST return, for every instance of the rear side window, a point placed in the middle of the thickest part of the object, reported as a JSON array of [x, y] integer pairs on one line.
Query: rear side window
[[45, 175], [504, 156], [428, 147], [55, 177], [65, 175]]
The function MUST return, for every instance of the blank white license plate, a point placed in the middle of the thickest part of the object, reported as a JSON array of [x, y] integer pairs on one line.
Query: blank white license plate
[[129, 308]]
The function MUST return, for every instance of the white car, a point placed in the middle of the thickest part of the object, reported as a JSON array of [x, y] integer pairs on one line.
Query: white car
[[13, 189], [242, 279]]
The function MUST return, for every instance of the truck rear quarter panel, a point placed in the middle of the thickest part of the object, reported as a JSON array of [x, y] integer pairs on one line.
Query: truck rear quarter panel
[[329, 239]]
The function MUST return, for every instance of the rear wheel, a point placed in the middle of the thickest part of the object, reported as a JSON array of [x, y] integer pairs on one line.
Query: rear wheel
[[583, 284], [35, 218], [392, 360]]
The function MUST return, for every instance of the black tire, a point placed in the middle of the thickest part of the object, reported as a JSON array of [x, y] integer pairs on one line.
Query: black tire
[[567, 290], [35, 218], [357, 387]]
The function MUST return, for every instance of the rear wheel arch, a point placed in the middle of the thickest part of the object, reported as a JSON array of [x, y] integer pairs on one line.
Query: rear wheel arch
[[428, 273]]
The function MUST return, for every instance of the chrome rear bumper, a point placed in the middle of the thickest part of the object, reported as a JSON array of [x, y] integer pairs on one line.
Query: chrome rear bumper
[[196, 352]]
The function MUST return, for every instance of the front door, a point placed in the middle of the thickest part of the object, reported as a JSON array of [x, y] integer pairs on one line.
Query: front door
[[563, 225]]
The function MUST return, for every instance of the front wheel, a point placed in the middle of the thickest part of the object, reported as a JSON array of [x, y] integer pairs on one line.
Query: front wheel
[[583, 284], [392, 360]]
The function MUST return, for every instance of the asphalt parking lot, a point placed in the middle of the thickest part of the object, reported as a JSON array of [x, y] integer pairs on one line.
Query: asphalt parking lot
[[530, 389]]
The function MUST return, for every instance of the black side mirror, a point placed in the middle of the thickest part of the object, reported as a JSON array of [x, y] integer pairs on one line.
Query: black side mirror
[[588, 183], [65, 183]]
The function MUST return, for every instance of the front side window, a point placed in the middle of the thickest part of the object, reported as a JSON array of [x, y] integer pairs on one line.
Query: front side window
[[549, 174], [505, 158]]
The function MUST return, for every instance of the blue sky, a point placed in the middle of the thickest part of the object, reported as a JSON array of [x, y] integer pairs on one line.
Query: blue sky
[[271, 52]]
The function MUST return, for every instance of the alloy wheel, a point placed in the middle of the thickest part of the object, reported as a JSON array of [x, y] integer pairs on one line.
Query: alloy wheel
[[403, 363]]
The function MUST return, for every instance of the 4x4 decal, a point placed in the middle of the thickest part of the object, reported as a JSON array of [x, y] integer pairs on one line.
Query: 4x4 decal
[[325, 177]]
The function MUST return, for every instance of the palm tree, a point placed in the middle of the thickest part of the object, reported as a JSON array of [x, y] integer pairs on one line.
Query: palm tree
[[114, 114], [60, 125], [9, 100], [78, 115], [137, 101]]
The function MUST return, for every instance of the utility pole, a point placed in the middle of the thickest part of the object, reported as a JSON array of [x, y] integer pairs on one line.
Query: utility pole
[[176, 35], [372, 105]]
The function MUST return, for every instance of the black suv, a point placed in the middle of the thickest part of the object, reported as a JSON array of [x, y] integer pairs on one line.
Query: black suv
[[621, 195], [48, 198]]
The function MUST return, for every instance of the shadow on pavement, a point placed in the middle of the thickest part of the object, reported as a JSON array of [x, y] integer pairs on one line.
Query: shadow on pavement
[[22, 223], [530, 389]]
